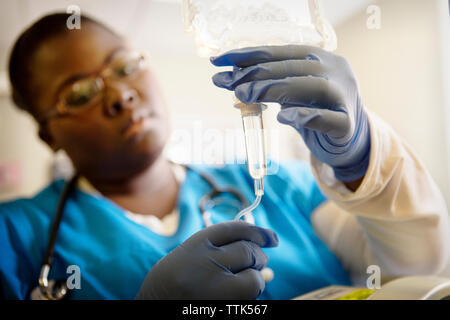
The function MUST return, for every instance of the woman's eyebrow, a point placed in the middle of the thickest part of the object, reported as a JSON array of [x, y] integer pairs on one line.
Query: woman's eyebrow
[[72, 79], [111, 55]]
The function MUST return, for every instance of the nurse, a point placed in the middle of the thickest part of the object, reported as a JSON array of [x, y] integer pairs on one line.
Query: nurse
[[133, 225]]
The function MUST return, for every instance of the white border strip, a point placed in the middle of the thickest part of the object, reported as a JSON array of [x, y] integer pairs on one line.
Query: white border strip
[[4, 85]]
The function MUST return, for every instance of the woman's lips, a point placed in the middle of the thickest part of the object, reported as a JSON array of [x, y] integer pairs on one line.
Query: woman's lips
[[141, 124]]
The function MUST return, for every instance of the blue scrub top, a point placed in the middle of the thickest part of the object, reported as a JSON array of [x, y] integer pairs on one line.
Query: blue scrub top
[[115, 254]]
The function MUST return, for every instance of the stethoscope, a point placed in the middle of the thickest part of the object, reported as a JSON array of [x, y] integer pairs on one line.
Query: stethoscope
[[57, 289], [213, 198]]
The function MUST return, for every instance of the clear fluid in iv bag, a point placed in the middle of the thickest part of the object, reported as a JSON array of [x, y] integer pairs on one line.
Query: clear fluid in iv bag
[[222, 25], [254, 143]]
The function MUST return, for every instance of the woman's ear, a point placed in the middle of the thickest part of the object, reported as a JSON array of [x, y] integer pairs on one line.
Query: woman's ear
[[45, 136]]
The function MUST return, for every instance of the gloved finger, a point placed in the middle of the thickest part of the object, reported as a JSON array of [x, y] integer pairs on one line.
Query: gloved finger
[[300, 91], [245, 285], [331, 122], [227, 232], [245, 57], [269, 70], [240, 255]]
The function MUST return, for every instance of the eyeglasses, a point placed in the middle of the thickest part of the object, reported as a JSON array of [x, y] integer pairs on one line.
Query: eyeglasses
[[79, 95]]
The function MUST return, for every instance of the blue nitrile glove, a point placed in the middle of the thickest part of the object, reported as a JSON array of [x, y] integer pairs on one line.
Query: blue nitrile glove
[[218, 262], [318, 94]]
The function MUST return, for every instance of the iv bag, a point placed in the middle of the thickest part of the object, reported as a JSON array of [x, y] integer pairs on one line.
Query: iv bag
[[222, 25]]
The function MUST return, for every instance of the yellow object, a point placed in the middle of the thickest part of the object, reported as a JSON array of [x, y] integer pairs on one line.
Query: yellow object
[[361, 294]]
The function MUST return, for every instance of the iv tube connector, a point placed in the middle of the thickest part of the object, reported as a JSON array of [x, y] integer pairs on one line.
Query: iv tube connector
[[259, 187]]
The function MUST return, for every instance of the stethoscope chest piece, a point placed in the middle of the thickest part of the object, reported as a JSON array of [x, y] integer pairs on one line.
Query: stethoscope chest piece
[[56, 290]]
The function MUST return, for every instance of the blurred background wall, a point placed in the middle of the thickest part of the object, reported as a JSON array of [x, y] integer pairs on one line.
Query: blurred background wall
[[403, 71], [402, 67]]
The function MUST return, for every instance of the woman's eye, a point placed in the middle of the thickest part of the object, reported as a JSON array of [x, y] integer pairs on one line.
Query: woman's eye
[[81, 94], [78, 99], [125, 70]]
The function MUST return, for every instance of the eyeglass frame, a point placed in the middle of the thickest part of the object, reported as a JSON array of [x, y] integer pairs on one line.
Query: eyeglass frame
[[99, 76]]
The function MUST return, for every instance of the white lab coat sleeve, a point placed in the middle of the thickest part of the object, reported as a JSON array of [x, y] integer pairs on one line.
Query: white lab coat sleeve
[[397, 219]]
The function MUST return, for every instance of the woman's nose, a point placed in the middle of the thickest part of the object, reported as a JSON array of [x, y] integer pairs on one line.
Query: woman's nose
[[119, 97]]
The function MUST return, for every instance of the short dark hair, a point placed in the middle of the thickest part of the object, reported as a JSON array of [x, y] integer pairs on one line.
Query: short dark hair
[[25, 46]]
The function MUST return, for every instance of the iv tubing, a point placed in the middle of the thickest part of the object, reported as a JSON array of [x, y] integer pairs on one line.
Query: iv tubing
[[259, 191], [248, 209]]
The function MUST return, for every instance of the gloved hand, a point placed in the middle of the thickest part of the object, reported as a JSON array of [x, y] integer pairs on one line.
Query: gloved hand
[[218, 262], [318, 94]]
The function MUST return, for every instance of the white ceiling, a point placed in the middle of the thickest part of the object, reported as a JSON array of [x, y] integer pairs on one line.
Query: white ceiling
[[153, 24]]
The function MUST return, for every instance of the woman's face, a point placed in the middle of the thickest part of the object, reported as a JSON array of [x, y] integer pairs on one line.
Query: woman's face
[[123, 130]]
